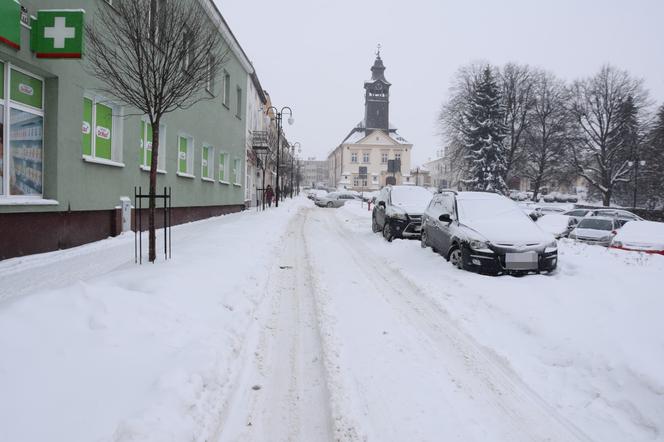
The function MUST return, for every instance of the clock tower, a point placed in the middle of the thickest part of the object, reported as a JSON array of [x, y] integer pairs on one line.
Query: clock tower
[[377, 98]]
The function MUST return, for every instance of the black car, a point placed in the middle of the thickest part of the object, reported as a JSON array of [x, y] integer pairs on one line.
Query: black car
[[487, 233], [398, 211]]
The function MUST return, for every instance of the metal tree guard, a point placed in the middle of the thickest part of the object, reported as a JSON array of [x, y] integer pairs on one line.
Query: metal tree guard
[[138, 222]]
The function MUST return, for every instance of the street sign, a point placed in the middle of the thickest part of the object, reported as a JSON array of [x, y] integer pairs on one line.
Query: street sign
[[10, 23], [59, 33]]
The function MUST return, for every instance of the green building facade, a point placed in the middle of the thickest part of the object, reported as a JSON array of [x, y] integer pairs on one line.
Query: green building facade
[[67, 155]]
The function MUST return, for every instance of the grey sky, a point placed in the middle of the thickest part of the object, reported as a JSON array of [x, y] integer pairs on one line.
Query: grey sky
[[313, 55]]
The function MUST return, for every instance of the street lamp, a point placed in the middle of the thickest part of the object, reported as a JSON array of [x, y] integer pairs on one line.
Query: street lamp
[[292, 165], [278, 115], [636, 163]]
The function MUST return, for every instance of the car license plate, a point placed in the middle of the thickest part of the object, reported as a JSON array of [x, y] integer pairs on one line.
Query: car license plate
[[521, 261]]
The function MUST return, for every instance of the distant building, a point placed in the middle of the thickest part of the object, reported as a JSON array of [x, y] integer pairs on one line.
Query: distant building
[[373, 154], [315, 173]]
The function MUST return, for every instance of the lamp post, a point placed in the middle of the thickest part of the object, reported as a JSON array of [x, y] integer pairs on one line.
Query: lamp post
[[277, 116], [636, 163], [292, 164]]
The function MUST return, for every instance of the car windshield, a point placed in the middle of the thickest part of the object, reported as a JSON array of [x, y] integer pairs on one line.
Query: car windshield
[[479, 209], [596, 224], [411, 196]]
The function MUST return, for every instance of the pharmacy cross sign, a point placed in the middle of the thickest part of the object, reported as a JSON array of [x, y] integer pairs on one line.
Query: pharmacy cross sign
[[59, 33]]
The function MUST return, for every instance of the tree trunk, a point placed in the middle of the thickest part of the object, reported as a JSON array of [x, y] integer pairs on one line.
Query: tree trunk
[[606, 198], [152, 237]]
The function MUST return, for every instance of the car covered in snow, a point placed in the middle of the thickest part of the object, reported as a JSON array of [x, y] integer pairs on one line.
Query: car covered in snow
[[397, 211], [616, 213], [335, 199], [597, 230], [640, 236], [577, 214], [557, 224], [487, 233]]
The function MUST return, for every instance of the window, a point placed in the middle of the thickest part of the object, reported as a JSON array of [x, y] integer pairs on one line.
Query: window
[[188, 46], [353, 157], [185, 156], [237, 174], [365, 157], [101, 135], [146, 146], [397, 156], [209, 84], [374, 179], [153, 20], [207, 162], [383, 157], [238, 104], [223, 167], [226, 95], [21, 132]]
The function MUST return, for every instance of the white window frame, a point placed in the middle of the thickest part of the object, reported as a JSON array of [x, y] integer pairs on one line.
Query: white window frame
[[226, 91], [191, 146], [384, 157], [366, 157], [209, 83], [238, 104], [210, 163], [116, 132], [353, 157], [161, 160], [226, 169], [8, 104]]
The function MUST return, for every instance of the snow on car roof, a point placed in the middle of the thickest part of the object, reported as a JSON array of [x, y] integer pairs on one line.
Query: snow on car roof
[[478, 196], [649, 231]]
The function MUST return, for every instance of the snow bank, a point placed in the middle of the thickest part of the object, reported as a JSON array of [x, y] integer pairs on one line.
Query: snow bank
[[140, 352]]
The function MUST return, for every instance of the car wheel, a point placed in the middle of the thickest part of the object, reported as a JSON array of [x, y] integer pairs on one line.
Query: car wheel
[[374, 225], [423, 239], [456, 259], [387, 232], [330, 204]]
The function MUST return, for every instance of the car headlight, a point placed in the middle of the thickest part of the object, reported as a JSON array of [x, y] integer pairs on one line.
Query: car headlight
[[551, 247], [478, 245]]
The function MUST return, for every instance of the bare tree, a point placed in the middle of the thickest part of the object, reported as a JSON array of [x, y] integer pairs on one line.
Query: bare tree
[[595, 107], [516, 83], [546, 133], [156, 56]]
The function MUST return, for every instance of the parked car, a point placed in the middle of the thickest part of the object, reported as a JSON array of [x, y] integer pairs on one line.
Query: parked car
[[334, 199], [640, 236], [398, 211], [616, 213], [577, 214], [313, 194], [572, 199], [534, 211], [597, 230], [557, 224], [488, 233], [545, 210], [549, 198]]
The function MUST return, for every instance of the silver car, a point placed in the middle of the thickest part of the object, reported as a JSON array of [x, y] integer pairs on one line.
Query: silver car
[[334, 199], [597, 230]]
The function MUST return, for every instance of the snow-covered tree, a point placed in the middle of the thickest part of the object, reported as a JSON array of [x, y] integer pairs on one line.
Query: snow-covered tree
[[651, 175], [546, 134], [596, 106], [483, 134]]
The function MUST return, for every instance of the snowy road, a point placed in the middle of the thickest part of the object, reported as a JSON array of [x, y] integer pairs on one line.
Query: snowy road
[[396, 367], [313, 328]]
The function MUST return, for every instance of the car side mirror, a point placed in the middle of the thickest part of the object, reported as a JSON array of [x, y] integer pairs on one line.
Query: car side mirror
[[381, 204], [445, 218]]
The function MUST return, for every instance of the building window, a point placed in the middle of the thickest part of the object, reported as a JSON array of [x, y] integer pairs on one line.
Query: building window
[[383, 157], [397, 156], [146, 146], [226, 93], [223, 167], [185, 156], [365, 157], [209, 84], [100, 131], [374, 179], [207, 162], [238, 104], [237, 174], [21, 132], [353, 157]]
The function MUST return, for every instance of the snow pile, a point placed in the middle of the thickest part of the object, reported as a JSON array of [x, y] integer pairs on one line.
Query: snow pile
[[140, 353], [641, 235]]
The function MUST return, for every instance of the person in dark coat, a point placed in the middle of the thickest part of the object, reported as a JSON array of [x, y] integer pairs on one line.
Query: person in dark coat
[[269, 194]]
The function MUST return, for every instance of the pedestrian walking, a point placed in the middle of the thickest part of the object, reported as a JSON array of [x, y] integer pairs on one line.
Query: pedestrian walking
[[269, 194]]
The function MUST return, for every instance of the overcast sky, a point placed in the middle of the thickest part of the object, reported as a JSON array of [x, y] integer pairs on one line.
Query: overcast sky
[[314, 55]]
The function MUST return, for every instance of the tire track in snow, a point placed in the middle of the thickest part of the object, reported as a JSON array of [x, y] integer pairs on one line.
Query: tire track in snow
[[519, 413]]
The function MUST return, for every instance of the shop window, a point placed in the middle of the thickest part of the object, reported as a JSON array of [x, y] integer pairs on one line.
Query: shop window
[[223, 167], [185, 156], [100, 131], [21, 133], [207, 162], [146, 147]]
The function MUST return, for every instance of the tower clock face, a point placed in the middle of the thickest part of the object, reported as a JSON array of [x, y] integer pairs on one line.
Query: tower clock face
[[378, 86]]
